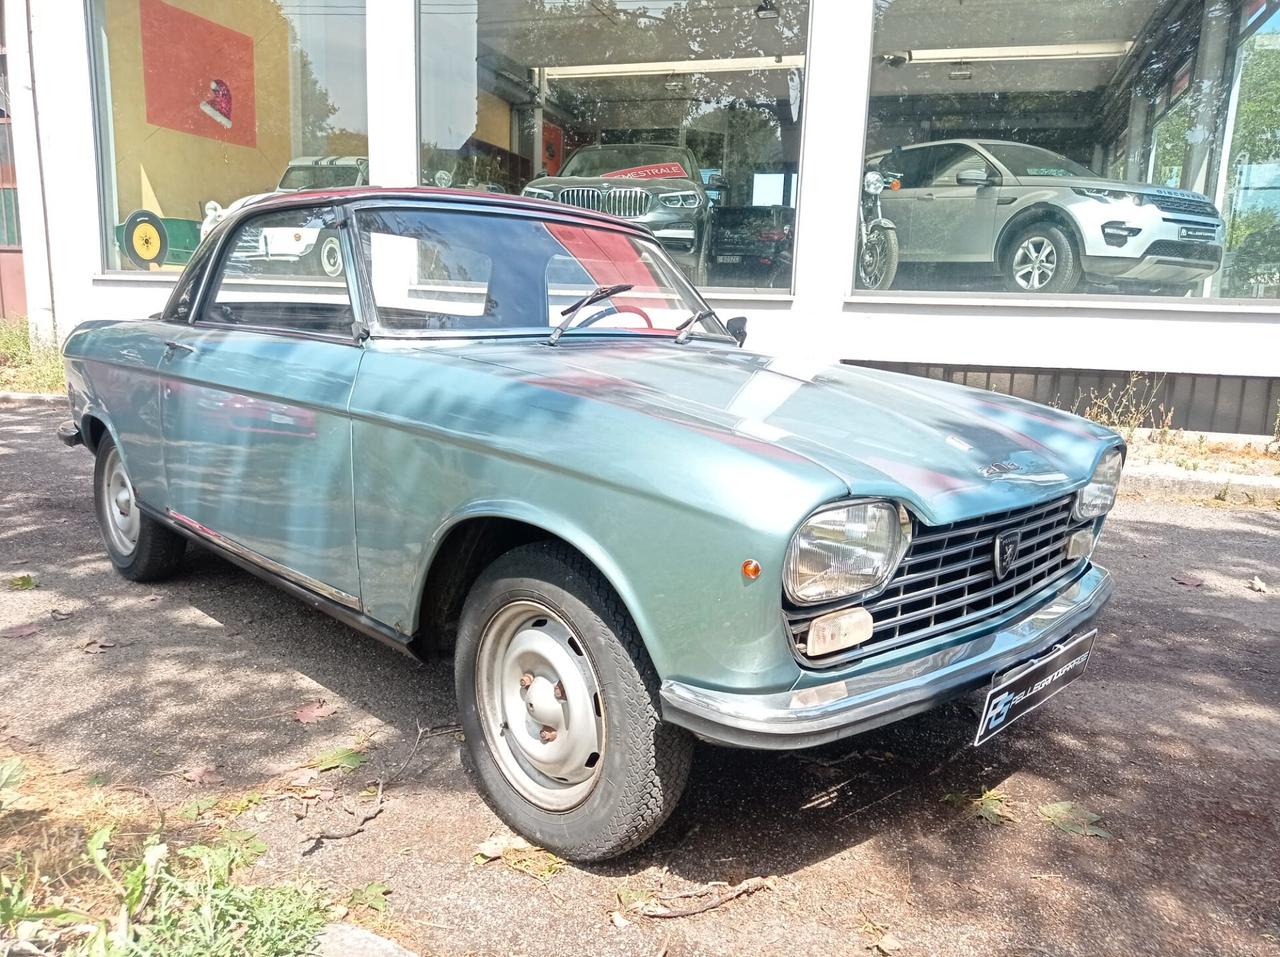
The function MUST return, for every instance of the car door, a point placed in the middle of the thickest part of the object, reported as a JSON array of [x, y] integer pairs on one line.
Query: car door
[[254, 404], [897, 205], [951, 222]]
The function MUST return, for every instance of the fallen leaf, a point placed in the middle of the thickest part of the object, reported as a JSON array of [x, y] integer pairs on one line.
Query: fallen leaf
[[23, 583], [191, 810], [314, 711], [1191, 581], [496, 846], [1257, 584], [59, 615], [887, 944], [203, 775], [303, 778], [372, 896], [95, 646], [344, 759], [618, 920], [1073, 819], [519, 855], [20, 631]]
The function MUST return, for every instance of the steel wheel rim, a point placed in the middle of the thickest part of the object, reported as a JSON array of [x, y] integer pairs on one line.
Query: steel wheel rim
[[331, 257], [119, 507], [874, 259], [1035, 262], [534, 676]]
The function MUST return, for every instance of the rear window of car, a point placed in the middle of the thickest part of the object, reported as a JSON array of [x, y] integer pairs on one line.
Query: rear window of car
[[320, 177]]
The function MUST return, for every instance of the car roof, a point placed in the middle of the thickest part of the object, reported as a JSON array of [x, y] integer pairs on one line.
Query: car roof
[[436, 197]]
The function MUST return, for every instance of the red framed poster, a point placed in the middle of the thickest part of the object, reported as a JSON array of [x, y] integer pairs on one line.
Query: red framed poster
[[197, 75]]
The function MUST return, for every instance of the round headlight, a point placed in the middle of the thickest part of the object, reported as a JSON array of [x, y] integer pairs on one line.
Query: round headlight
[[1096, 498], [873, 182], [846, 551]]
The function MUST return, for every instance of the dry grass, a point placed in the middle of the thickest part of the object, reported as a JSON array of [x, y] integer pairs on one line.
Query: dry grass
[[27, 366]]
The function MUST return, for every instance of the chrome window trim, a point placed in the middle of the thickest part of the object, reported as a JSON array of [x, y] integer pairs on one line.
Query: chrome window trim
[[249, 555]]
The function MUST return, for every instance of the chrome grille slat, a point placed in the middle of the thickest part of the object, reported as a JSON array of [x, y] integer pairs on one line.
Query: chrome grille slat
[[947, 581], [629, 202]]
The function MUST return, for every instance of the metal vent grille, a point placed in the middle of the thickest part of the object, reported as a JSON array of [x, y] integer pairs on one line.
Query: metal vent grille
[[947, 579], [1179, 204], [582, 196], [1176, 249], [627, 202]]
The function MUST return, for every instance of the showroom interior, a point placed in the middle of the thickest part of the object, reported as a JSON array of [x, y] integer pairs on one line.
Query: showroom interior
[[763, 113]]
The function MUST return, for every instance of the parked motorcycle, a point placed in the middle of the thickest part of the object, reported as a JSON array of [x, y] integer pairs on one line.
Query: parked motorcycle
[[877, 236]]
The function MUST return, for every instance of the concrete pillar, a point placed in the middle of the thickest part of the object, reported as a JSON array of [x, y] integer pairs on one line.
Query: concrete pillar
[[1207, 100], [391, 71]]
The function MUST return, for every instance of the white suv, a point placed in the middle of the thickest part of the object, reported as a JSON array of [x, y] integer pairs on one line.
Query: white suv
[[1043, 221]]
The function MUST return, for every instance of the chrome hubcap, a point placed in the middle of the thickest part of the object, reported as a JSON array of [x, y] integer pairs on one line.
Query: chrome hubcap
[[118, 506], [540, 705], [1034, 263]]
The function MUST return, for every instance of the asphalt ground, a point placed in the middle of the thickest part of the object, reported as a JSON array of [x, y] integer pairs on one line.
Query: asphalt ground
[[1172, 737]]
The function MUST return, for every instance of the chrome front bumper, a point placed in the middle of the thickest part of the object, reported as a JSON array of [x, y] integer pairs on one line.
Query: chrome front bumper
[[804, 717]]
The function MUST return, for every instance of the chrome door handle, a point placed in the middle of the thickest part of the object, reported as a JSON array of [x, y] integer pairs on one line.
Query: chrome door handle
[[170, 347]]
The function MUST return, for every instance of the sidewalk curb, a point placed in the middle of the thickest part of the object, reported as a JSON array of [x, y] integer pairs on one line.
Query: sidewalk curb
[[10, 399], [348, 940], [1154, 480]]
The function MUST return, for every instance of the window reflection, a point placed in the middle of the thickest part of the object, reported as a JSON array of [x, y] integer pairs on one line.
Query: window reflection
[[683, 115], [1074, 148]]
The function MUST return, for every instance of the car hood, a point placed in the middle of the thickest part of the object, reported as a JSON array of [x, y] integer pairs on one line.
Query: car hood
[[1101, 182], [949, 452]]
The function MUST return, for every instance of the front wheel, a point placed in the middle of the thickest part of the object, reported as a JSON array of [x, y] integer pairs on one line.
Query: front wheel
[[1042, 258], [878, 258], [559, 707]]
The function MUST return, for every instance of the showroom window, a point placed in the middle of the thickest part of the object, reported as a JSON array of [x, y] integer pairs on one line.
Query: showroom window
[[682, 115], [1121, 148], [203, 103]]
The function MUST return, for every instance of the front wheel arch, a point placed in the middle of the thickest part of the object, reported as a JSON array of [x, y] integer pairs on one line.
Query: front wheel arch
[[469, 543]]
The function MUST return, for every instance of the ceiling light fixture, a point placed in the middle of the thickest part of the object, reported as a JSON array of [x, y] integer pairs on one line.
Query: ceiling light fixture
[[676, 67], [767, 10], [1105, 50]]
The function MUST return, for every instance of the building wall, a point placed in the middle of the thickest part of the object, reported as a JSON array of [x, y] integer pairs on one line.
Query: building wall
[[820, 316]]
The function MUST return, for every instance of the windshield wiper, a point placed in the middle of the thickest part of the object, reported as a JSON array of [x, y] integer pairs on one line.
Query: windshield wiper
[[600, 292], [686, 328]]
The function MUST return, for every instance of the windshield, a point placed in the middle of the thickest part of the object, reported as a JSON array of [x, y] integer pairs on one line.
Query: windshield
[[636, 162], [438, 272], [1023, 160], [320, 177]]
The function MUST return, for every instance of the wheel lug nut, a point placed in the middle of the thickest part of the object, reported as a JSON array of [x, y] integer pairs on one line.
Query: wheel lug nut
[[558, 691], [547, 734], [526, 680]]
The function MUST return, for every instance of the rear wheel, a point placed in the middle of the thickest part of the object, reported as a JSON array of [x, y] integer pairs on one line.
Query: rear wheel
[[559, 707], [140, 547], [1042, 258]]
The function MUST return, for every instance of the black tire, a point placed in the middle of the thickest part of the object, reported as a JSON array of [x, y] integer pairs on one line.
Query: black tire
[[645, 762], [1067, 269], [885, 259], [158, 550]]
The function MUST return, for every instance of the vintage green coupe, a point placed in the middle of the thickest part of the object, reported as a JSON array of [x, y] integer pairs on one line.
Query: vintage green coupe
[[512, 430]]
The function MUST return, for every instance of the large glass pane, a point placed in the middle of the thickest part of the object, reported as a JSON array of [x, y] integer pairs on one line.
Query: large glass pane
[[205, 103], [683, 115], [1251, 183], [1100, 147]]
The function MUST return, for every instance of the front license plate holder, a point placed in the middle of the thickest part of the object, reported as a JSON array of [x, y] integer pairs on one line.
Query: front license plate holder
[[1023, 688]]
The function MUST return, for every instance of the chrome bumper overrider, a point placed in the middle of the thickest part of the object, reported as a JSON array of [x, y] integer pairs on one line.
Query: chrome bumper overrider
[[817, 714]]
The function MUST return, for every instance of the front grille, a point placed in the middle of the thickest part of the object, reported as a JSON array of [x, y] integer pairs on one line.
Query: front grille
[[1177, 249], [627, 202], [1182, 204], [947, 578]]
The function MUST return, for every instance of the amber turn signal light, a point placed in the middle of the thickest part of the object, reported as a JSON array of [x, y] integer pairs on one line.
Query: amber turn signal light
[[751, 568]]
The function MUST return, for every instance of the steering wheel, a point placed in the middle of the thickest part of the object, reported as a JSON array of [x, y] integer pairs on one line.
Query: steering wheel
[[610, 309]]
